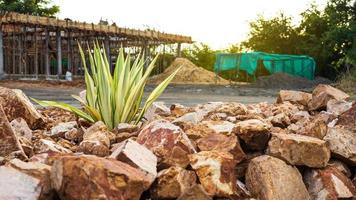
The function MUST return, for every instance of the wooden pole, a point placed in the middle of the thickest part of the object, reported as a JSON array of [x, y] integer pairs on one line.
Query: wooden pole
[[36, 52], [69, 51], [107, 49], [2, 73], [46, 52], [59, 53], [13, 52], [179, 50]]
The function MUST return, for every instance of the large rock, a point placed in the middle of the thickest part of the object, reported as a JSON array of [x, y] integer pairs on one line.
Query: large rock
[[92, 177], [44, 146], [215, 170], [338, 107], [137, 156], [173, 182], [60, 129], [296, 97], [168, 142], [324, 93], [220, 127], [254, 133], [8, 139], [342, 167], [316, 127], [220, 142], [16, 104], [156, 110], [328, 183], [21, 180], [271, 178], [196, 192], [21, 128], [342, 143], [96, 140], [348, 118], [299, 150]]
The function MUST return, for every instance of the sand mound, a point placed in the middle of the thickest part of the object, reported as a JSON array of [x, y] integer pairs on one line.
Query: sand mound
[[282, 80], [188, 74]]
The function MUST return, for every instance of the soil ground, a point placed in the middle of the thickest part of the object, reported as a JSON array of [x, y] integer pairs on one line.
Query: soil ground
[[188, 95]]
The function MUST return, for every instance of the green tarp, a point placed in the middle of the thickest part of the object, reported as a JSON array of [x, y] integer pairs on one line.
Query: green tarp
[[303, 66]]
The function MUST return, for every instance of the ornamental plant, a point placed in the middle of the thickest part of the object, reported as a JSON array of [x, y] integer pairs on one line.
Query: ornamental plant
[[114, 98]]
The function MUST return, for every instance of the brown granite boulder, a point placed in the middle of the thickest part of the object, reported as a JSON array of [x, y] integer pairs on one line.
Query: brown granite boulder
[[296, 97], [21, 128], [136, 155], [60, 129], [271, 178], [21, 180], [324, 93], [299, 149], [92, 177], [342, 143], [16, 104], [348, 118], [9, 141], [196, 192], [168, 142], [254, 133], [96, 140], [328, 183], [43, 146], [342, 167], [215, 170], [338, 107], [220, 142], [171, 183]]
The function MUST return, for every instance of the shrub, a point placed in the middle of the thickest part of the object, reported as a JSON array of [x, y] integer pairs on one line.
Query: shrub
[[115, 98]]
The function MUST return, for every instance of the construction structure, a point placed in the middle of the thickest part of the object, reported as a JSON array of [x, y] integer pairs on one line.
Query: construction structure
[[43, 47]]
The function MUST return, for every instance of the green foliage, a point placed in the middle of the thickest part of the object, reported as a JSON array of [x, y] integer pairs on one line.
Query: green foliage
[[115, 98], [201, 55], [33, 7], [274, 35], [327, 35]]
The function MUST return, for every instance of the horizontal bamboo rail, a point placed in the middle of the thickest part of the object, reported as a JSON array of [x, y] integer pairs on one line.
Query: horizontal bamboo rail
[[112, 30]]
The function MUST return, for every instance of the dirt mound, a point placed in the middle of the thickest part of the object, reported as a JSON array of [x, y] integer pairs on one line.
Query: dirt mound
[[282, 80], [188, 74]]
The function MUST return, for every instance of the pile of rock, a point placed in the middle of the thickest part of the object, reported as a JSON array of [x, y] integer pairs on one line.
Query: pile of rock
[[301, 147]]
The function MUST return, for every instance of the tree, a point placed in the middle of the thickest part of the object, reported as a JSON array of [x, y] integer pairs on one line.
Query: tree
[[276, 35], [33, 7], [327, 35], [201, 55]]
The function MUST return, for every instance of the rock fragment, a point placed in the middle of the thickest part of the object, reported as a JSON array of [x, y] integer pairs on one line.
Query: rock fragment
[[299, 150], [296, 97], [324, 93], [9, 141], [219, 142], [171, 183], [342, 143], [92, 177], [168, 142], [254, 133], [137, 156], [60, 129], [271, 178], [329, 183], [16, 105], [216, 172], [96, 140]]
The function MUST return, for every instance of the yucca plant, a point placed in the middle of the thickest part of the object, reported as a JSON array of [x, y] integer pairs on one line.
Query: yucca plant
[[115, 98]]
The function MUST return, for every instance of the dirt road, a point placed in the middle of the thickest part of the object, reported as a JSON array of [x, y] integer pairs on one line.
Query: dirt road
[[184, 94]]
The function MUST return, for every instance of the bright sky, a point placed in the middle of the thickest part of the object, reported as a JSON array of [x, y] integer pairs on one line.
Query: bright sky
[[216, 22]]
